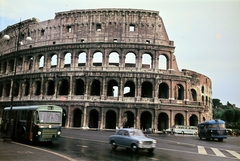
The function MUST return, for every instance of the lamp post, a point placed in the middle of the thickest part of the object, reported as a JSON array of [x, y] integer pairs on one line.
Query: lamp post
[[18, 42]]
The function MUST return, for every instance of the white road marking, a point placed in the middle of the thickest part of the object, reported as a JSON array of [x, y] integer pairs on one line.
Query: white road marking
[[48, 151], [201, 150], [218, 152], [234, 153]]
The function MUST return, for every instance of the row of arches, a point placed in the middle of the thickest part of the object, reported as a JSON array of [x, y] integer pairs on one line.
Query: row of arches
[[95, 87], [128, 119], [131, 59]]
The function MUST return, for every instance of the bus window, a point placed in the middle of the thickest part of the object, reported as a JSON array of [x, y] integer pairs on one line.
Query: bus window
[[50, 117]]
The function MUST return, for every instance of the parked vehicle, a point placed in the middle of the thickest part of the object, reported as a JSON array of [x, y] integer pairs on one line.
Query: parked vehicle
[[181, 129], [133, 139], [212, 129]]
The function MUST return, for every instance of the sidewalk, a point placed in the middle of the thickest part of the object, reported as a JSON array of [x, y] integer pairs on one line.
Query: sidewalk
[[13, 151]]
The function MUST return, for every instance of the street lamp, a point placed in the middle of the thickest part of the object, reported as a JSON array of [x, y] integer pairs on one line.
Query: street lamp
[[18, 42]]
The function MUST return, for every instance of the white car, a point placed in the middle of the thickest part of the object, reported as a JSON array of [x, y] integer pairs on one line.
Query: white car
[[132, 139]]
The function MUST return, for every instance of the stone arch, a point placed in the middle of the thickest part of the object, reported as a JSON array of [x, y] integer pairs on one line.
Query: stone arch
[[128, 119], [113, 59], [30, 62], [129, 89], [67, 59], [93, 119], [7, 88], [130, 60], [63, 87], [77, 117], [26, 88], [111, 119], [163, 62], [194, 94], [147, 89], [179, 119], [79, 87], [179, 92], [163, 121], [16, 89], [4, 70], [11, 65], [40, 61], [146, 120], [97, 59], [37, 88], [111, 87], [95, 88], [82, 57], [193, 120], [54, 60], [50, 87], [163, 91], [147, 61]]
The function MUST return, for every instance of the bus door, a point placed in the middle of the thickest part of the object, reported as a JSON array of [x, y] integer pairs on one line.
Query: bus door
[[29, 125]]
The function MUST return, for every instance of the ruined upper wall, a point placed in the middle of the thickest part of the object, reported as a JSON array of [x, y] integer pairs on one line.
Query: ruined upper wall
[[95, 25]]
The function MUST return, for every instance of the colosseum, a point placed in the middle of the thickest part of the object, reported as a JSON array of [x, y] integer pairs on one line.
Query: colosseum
[[107, 68]]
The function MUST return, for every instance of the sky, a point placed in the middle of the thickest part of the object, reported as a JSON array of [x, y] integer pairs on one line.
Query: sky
[[206, 33]]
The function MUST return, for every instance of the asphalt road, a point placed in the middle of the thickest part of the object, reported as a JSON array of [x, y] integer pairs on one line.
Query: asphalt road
[[93, 146]]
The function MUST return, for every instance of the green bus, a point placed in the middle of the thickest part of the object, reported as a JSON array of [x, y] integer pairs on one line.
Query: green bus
[[34, 123]]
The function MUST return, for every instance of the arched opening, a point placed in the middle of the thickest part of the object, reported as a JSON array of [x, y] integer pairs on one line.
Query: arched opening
[[95, 88], [63, 87], [146, 120], [193, 120], [179, 119], [26, 87], [41, 62], [77, 117], [162, 121], [163, 91], [97, 59], [128, 119], [162, 62], [54, 61], [194, 95], [37, 88], [79, 89], [146, 61], [82, 59], [179, 92], [50, 87], [93, 119], [112, 88], [130, 60], [114, 59], [147, 89], [67, 60], [129, 89], [16, 89], [110, 120]]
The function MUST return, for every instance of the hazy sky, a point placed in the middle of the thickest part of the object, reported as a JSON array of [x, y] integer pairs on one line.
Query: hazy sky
[[206, 33]]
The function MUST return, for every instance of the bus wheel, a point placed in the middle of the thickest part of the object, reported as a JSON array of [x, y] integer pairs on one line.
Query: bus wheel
[[220, 139]]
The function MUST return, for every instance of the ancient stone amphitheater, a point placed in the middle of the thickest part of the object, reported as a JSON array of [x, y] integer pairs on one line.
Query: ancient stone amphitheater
[[106, 68]]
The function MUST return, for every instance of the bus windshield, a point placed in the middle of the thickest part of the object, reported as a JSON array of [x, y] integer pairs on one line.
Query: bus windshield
[[49, 117]]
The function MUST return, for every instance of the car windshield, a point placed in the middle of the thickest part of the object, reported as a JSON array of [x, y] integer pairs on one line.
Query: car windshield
[[136, 133], [49, 117]]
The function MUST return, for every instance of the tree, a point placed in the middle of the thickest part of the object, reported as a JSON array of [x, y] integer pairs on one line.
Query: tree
[[229, 115]]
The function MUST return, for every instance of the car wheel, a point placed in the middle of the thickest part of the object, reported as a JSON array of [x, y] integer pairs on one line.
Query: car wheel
[[114, 146], [134, 148], [150, 150]]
